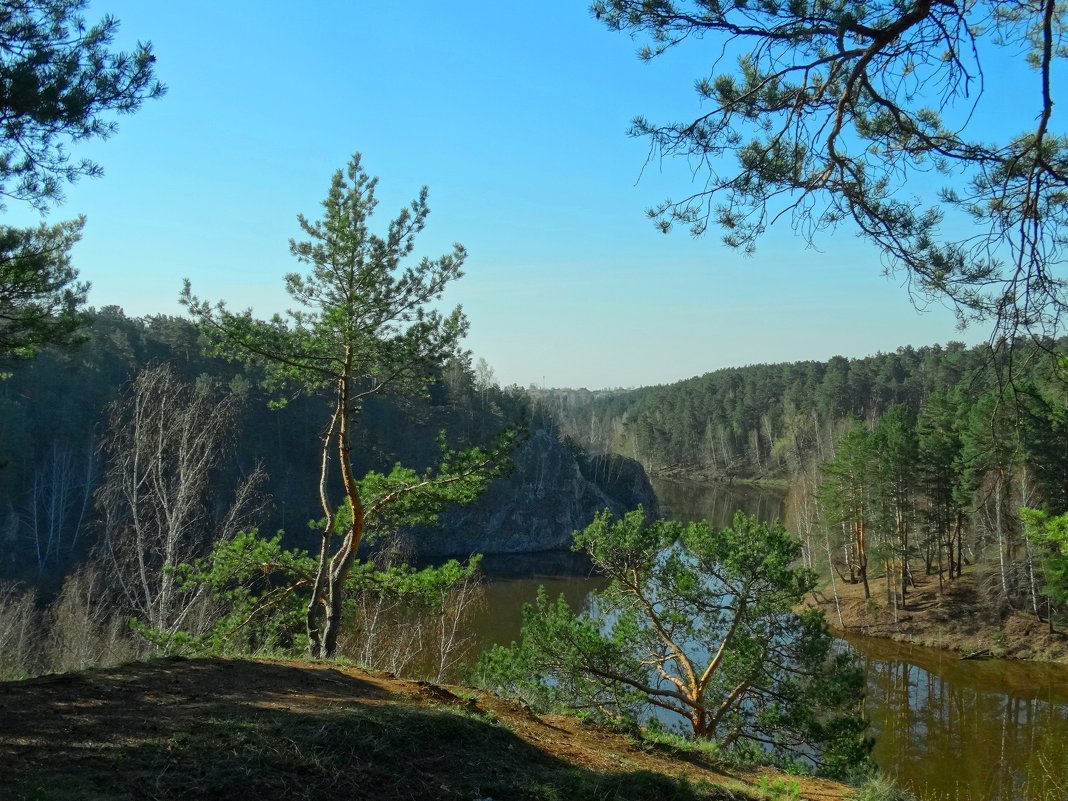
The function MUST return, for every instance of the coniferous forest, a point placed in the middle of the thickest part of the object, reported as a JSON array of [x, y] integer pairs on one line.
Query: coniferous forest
[[918, 460]]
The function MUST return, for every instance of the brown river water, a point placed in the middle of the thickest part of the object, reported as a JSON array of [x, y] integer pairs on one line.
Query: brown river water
[[946, 728]]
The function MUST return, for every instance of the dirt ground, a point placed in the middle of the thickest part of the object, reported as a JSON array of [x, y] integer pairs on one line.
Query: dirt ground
[[953, 619], [215, 729]]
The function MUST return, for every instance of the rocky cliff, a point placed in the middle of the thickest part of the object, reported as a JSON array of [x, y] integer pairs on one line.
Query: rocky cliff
[[552, 491]]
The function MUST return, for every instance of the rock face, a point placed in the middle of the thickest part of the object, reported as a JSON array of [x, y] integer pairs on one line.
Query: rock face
[[551, 492]]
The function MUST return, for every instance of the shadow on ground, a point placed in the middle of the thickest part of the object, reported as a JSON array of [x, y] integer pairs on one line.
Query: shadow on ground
[[219, 729]]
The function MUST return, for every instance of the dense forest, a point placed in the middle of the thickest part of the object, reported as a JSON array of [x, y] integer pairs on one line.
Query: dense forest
[[767, 420], [942, 445], [58, 410], [134, 456], [915, 460]]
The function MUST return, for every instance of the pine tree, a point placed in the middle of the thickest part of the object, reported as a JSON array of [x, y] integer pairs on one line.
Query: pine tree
[[364, 325], [894, 441], [1051, 535], [60, 83], [938, 462], [848, 496]]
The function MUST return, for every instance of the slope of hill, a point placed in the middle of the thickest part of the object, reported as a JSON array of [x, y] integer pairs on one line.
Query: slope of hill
[[223, 729], [957, 619]]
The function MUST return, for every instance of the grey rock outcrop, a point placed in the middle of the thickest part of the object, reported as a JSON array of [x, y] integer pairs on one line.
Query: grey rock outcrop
[[551, 492]]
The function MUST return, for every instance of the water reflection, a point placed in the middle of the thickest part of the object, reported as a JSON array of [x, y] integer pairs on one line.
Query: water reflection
[[514, 579], [949, 728], [717, 503]]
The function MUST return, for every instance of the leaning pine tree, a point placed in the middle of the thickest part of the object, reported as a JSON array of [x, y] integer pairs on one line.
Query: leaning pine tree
[[362, 326], [696, 628]]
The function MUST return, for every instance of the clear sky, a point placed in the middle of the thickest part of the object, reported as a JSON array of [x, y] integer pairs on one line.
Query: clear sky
[[515, 116]]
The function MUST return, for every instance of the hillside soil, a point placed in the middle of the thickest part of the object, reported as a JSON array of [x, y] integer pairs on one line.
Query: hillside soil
[[222, 729], [954, 619]]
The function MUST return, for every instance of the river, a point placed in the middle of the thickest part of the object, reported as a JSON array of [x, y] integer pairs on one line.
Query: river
[[947, 729]]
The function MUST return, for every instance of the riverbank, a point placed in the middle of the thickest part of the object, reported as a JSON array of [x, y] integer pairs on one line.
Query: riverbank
[[221, 729], [954, 620]]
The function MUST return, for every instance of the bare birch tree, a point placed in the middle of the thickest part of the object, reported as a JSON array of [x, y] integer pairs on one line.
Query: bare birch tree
[[60, 498], [164, 442]]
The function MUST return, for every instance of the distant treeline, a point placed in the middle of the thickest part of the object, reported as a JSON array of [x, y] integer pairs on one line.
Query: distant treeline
[[900, 464], [54, 414], [769, 420]]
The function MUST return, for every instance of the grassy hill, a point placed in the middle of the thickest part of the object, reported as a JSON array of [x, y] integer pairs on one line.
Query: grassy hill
[[222, 729]]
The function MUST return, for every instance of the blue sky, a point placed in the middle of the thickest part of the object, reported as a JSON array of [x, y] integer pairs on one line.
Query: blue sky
[[515, 116]]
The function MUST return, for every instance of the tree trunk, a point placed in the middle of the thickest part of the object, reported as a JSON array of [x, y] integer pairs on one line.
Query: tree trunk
[[318, 602], [340, 565], [903, 529], [960, 545], [862, 558], [834, 585], [999, 527], [941, 577]]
